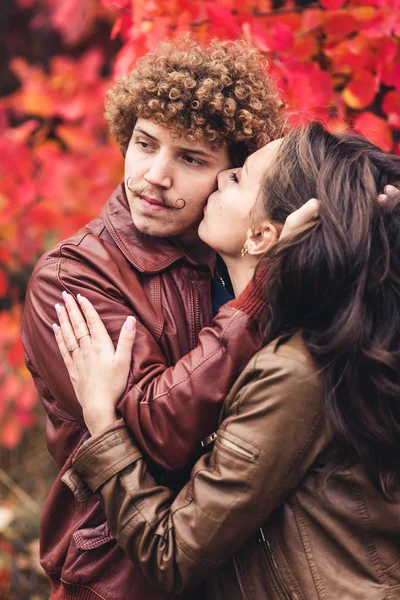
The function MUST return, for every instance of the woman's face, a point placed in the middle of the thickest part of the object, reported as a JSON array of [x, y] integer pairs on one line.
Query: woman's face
[[227, 214]]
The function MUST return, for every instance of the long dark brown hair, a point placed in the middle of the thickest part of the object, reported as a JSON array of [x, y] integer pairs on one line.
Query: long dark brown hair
[[338, 281]]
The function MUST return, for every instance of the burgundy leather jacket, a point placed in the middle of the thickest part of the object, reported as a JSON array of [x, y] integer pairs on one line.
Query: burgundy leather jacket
[[182, 370]]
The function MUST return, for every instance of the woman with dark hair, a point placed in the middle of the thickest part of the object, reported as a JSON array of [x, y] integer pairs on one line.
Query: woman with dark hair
[[299, 498]]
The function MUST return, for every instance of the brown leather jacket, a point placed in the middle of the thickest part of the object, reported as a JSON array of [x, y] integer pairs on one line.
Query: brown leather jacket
[[171, 403], [254, 520]]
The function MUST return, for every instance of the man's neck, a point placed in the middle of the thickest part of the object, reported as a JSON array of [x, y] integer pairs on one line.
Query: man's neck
[[196, 250]]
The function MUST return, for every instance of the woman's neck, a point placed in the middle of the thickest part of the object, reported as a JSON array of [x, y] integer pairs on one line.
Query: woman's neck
[[241, 271]]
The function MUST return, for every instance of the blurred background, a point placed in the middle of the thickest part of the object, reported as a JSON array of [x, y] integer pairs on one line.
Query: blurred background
[[334, 60]]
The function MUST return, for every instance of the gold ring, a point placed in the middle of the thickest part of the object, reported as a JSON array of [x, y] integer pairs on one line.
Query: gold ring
[[81, 336], [73, 348]]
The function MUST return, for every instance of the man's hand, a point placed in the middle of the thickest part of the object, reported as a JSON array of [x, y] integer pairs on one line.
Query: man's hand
[[389, 190], [300, 217], [98, 372]]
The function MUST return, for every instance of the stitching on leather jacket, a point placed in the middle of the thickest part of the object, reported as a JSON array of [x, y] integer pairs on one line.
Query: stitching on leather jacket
[[393, 568], [188, 376], [63, 259], [368, 537], [61, 413], [48, 262], [308, 549], [237, 314]]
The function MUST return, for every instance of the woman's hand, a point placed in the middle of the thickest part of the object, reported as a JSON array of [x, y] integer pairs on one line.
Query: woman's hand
[[98, 372]]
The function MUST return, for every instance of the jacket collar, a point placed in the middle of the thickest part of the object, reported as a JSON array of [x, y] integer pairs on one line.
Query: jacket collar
[[147, 254]]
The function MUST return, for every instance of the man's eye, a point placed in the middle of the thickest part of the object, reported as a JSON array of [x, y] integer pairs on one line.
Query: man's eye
[[233, 177], [143, 144], [191, 160]]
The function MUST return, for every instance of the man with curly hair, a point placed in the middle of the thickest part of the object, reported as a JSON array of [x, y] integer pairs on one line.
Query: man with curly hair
[[181, 116]]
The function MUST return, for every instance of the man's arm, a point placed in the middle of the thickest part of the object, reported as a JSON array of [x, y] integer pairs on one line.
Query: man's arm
[[169, 409]]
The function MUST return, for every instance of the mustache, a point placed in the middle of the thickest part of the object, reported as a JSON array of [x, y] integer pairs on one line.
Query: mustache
[[178, 204]]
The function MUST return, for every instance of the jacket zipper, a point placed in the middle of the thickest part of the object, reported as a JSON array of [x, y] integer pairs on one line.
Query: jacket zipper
[[196, 307], [239, 578], [235, 447], [269, 555]]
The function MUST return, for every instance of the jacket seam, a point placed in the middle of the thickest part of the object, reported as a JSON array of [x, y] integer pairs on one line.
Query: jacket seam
[[118, 435], [70, 242], [368, 540], [63, 259], [81, 585], [47, 263], [186, 378], [319, 585], [221, 348], [114, 469]]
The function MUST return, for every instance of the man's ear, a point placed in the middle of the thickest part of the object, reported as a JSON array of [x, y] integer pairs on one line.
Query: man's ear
[[261, 238]]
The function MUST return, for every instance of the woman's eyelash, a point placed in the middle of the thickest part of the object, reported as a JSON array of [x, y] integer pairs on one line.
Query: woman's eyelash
[[234, 178]]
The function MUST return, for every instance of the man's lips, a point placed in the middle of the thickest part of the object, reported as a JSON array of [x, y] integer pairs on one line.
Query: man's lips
[[152, 203]]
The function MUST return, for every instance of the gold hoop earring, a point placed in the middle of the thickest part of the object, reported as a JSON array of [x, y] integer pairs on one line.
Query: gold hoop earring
[[244, 251]]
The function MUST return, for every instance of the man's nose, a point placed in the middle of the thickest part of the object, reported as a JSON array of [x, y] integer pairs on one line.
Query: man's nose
[[160, 171]]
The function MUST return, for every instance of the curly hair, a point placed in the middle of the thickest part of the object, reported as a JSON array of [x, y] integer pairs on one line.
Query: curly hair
[[220, 94]]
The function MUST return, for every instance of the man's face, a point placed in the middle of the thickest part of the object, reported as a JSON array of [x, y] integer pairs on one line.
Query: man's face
[[168, 180]]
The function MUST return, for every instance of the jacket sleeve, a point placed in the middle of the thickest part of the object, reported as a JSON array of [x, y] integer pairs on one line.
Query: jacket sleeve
[[169, 409], [271, 435]]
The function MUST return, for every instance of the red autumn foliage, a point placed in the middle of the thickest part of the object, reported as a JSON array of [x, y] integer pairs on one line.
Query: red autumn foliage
[[334, 60]]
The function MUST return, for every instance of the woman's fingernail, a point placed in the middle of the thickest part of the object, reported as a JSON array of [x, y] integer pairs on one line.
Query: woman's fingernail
[[130, 323], [55, 327], [58, 309]]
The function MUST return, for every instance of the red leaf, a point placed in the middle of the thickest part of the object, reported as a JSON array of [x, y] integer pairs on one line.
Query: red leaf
[[388, 50], [396, 76], [375, 129], [221, 16], [72, 18], [282, 37], [75, 138], [339, 25], [3, 283], [332, 4], [115, 4], [361, 90], [391, 107], [128, 54]]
